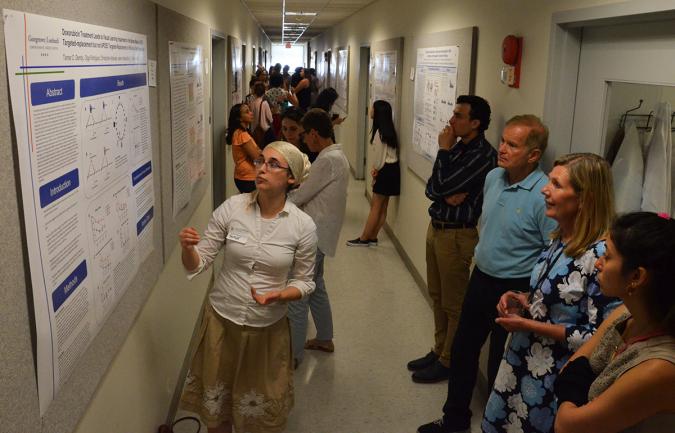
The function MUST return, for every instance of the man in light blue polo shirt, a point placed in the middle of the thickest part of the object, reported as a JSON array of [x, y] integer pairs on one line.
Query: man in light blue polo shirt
[[513, 231]]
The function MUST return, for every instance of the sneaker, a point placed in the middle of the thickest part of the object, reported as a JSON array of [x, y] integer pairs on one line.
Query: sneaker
[[423, 362], [438, 426], [372, 242], [358, 243], [436, 372]]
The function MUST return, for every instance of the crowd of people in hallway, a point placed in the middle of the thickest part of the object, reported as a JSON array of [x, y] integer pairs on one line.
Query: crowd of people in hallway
[[577, 303]]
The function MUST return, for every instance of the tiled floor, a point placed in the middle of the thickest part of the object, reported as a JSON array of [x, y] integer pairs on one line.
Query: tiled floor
[[381, 321]]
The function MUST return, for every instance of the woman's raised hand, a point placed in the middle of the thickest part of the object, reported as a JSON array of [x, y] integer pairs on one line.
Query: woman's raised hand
[[189, 237]]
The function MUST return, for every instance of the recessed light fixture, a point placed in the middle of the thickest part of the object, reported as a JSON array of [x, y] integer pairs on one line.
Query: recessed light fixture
[[301, 14]]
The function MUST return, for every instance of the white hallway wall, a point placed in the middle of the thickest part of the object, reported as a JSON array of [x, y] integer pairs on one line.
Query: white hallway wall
[[495, 19], [136, 393]]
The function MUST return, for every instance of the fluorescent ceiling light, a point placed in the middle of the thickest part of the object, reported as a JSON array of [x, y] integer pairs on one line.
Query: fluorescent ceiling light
[[302, 14]]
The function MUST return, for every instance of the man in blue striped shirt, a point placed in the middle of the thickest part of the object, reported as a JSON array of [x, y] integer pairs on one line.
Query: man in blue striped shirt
[[456, 189]]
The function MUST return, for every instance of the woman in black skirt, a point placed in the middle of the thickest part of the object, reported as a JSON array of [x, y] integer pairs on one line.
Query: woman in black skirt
[[386, 172]]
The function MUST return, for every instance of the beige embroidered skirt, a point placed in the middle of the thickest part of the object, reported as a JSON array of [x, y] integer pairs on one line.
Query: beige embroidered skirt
[[241, 375]]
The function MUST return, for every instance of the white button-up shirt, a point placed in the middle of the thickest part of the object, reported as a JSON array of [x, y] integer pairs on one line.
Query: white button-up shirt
[[259, 254], [323, 195]]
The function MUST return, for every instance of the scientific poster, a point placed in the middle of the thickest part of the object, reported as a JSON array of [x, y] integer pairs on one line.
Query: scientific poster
[[341, 80], [237, 72], [188, 146], [80, 105], [321, 71], [435, 94], [384, 77], [333, 69]]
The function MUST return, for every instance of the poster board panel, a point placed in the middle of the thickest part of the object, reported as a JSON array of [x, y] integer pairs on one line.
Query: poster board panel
[[19, 404], [188, 123], [173, 26], [236, 71], [386, 63], [85, 156], [441, 59], [342, 80]]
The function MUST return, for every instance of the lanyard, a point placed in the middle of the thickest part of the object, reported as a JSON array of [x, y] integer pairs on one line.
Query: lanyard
[[550, 262]]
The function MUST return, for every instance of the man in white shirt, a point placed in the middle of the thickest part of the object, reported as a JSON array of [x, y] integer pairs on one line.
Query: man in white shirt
[[323, 196]]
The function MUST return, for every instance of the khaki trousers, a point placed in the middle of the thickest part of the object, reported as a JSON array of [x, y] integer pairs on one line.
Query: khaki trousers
[[449, 253]]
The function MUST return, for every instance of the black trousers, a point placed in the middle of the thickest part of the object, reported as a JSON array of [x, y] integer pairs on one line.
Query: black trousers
[[476, 322]]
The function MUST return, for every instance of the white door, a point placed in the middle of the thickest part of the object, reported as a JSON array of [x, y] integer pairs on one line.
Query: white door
[[635, 53]]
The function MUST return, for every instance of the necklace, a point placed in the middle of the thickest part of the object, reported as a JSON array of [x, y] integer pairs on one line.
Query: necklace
[[620, 348]]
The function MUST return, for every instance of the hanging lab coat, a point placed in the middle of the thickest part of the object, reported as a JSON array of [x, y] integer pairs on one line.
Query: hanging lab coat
[[628, 172], [657, 187]]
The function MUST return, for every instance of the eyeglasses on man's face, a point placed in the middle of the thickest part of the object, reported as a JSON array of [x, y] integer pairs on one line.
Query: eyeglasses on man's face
[[272, 164]]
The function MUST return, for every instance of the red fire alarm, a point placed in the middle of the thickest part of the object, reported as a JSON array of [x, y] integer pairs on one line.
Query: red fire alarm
[[512, 51]]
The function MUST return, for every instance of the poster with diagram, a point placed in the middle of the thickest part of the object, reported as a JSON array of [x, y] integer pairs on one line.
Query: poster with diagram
[[384, 65], [445, 67], [435, 94], [80, 106], [342, 80], [188, 128]]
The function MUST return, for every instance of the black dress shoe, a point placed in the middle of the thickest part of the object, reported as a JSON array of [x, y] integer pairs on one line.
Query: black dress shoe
[[436, 372], [423, 362], [438, 426]]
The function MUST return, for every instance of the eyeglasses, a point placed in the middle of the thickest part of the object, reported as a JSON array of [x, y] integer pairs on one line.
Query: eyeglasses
[[272, 164]]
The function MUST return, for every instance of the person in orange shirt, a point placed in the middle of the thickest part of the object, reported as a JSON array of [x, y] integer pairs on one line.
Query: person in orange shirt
[[244, 148]]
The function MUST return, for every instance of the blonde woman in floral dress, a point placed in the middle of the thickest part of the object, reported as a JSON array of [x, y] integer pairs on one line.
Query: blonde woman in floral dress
[[564, 306], [241, 375]]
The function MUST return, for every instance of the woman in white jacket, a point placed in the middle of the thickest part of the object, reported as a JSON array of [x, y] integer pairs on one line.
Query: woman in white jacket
[[385, 171]]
